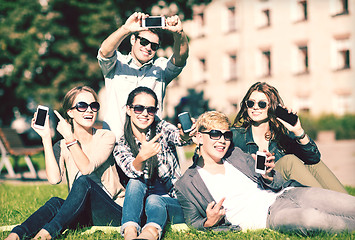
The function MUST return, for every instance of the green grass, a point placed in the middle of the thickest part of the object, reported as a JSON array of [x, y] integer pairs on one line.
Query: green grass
[[19, 201]]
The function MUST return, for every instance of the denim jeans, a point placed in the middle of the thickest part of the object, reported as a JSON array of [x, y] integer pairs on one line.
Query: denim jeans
[[308, 210], [87, 204], [158, 209]]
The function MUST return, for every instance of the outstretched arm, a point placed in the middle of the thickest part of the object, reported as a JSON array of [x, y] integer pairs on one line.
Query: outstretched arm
[[181, 46], [133, 24], [52, 168]]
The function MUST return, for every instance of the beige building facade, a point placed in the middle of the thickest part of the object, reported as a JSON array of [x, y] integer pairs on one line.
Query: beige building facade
[[305, 48]]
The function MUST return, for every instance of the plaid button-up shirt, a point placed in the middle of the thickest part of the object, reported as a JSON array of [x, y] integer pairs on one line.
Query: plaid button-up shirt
[[168, 162]]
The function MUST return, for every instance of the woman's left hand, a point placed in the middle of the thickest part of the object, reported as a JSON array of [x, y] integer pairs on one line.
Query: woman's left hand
[[297, 129]]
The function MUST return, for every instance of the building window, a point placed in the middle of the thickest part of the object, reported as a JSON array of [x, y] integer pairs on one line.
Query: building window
[[302, 104], [339, 7], [263, 67], [342, 103], [299, 10], [263, 14], [231, 19], [300, 59], [341, 54], [230, 69], [200, 24], [200, 73]]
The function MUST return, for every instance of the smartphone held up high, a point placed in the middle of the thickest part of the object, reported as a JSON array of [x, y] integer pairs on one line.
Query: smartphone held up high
[[283, 113], [260, 162], [185, 121], [41, 116], [154, 22]]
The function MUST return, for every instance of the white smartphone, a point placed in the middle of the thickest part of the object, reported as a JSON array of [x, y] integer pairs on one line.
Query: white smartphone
[[154, 22], [185, 121], [260, 162], [42, 114]]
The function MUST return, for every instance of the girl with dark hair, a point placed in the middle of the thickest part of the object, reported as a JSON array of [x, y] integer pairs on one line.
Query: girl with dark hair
[[84, 155], [147, 155], [257, 128]]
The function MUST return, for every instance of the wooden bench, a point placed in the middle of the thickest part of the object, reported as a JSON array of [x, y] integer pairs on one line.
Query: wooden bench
[[11, 145]]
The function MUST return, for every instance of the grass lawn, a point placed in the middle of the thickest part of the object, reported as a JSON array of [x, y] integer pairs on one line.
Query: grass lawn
[[19, 201]]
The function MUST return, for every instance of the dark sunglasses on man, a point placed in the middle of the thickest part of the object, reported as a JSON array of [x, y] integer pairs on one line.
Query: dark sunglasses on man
[[138, 109], [250, 103], [83, 106], [144, 42], [217, 134]]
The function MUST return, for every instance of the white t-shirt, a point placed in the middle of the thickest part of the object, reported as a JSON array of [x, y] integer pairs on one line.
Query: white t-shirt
[[246, 204]]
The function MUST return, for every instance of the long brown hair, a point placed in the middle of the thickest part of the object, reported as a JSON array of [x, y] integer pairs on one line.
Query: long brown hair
[[69, 98], [243, 120], [152, 162]]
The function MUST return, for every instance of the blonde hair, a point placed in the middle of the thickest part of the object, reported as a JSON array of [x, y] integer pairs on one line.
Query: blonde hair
[[212, 120]]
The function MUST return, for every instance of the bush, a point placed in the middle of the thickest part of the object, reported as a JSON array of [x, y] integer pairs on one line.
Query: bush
[[343, 126]]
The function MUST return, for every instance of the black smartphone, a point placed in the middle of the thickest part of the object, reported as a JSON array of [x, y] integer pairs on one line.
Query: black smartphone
[[283, 113], [154, 22], [260, 162], [42, 113], [185, 121]]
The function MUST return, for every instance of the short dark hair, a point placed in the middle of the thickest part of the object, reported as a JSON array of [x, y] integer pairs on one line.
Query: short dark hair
[[156, 31]]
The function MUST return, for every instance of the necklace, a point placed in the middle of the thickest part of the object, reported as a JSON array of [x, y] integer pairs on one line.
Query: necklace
[[268, 136]]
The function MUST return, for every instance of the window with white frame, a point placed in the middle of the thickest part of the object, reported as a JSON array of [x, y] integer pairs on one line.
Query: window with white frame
[[263, 14], [342, 103], [300, 59], [199, 20], [340, 53], [302, 104], [299, 10], [339, 7], [200, 70], [231, 15], [230, 72], [263, 63]]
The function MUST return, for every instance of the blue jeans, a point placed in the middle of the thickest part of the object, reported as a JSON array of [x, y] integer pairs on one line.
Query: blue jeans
[[158, 209], [87, 204], [308, 210]]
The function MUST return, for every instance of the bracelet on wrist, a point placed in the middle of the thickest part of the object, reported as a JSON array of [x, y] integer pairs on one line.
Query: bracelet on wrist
[[298, 138], [71, 143]]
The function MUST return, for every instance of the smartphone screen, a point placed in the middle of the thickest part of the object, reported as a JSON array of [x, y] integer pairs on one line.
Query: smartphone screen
[[282, 113], [154, 22], [41, 117], [185, 121], [260, 162]]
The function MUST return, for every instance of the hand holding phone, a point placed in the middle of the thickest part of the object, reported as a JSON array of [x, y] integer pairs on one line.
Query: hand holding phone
[[185, 121], [260, 162], [41, 116], [283, 114], [154, 22]]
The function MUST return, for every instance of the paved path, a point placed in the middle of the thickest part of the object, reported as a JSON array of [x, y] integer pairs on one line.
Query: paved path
[[339, 156]]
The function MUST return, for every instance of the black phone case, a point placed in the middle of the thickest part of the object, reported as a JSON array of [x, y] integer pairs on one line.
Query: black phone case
[[282, 113]]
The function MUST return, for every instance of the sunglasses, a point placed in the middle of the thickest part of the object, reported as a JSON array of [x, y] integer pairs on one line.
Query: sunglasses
[[83, 106], [217, 134], [145, 42], [138, 109], [251, 103]]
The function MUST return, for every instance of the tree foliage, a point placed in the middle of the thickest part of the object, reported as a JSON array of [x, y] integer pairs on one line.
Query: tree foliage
[[48, 47]]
